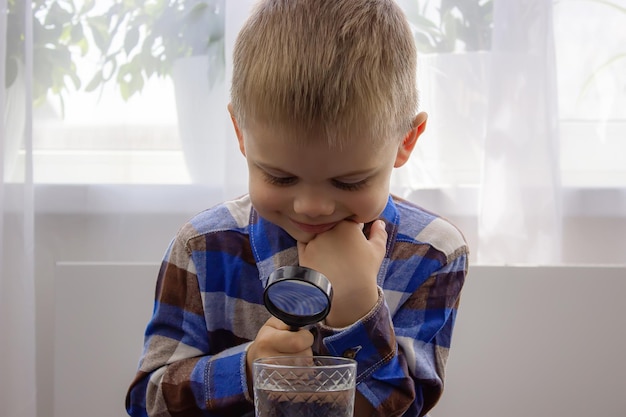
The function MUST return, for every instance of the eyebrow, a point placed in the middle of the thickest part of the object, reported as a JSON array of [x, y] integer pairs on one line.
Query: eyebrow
[[358, 173], [366, 172], [271, 168]]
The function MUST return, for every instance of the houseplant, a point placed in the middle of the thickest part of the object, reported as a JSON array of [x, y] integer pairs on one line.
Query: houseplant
[[180, 39], [612, 60], [141, 39], [59, 30], [450, 25]]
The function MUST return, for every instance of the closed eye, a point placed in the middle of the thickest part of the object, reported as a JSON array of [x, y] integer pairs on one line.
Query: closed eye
[[350, 186], [279, 181]]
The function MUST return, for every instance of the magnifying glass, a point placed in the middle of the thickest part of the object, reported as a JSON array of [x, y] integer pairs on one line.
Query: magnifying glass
[[297, 295]]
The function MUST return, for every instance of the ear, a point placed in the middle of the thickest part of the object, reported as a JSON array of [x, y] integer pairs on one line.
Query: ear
[[238, 131], [409, 141]]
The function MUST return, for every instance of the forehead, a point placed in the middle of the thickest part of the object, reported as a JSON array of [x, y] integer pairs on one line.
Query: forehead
[[302, 152], [321, 137]]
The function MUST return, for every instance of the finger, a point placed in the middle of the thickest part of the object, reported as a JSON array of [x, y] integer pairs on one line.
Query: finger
[[275, 339], [276, 323], [283, 339], [378, 234], [301, 247], [307, 336], [305, 352], [295, 342]]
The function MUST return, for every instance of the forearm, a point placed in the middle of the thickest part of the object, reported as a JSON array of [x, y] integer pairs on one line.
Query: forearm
[[400, 367], [384, 384], [178, 371], [212, 384]]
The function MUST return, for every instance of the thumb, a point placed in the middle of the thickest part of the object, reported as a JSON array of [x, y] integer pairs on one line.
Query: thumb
[[301, 247], [378, 234]]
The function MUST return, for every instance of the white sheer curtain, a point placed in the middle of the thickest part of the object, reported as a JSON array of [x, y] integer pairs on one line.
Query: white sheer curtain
[[520, 199], [17, 290], [494, 123]]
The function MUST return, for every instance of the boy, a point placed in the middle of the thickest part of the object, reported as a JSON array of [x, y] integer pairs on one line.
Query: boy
[[324, 106]]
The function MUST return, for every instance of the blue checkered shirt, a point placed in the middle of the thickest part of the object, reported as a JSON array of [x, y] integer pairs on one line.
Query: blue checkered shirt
[[209, 307]]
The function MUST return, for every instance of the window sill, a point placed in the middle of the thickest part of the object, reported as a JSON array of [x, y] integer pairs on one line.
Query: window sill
[[191, 198]]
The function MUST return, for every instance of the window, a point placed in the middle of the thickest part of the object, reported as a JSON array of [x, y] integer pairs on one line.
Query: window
[[121, 125], [591, 58], [101, 138]]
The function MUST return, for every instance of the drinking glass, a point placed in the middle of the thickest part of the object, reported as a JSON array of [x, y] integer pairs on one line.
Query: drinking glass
[[311, 386]]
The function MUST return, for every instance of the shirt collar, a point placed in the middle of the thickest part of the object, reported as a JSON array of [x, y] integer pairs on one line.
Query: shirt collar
[[273, 247]]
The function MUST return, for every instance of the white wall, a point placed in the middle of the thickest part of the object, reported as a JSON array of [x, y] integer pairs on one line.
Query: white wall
[[101, 310], [541, 342], [70, 284]]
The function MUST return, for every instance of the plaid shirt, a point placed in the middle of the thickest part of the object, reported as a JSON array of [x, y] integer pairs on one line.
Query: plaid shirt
[[209, 307]]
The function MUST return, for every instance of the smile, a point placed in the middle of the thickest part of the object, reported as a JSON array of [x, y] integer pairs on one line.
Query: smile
[[314, 228]]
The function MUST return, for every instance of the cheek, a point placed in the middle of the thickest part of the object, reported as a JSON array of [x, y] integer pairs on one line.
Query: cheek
[[265, 197], [380, 194], [368, 206]]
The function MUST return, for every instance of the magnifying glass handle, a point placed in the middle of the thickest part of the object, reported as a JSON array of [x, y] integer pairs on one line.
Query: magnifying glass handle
[[310, 328]]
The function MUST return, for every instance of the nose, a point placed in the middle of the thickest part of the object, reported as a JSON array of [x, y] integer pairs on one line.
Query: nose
[[311, 202]]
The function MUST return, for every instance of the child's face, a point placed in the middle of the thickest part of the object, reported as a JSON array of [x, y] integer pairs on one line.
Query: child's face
[[306, 189]]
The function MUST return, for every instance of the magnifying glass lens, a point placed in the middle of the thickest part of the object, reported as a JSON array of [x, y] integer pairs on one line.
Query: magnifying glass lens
[[298, 296]]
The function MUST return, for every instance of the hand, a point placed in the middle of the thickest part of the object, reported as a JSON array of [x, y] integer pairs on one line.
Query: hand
[[275, 339], [351, 262]]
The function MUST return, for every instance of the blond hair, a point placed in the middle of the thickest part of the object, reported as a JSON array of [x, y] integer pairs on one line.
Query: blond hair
[[336, 68]]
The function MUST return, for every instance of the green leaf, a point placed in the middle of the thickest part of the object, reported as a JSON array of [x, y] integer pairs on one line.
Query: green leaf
[[130, 87], [66, 35], [124, 73], [125, 90], [42, 71], [451, 25], [87, 6], [74, 77], [150, 64], [84, 46], [95, 82], [109, 68], [77, 34], [424, 43], [598, 70], [136, 85], [57, 16], [99, 26], [424, 23], [61, 58], [131, 40]]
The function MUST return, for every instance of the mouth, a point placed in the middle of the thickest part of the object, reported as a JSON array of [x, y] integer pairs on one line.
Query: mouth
[[314, 228]]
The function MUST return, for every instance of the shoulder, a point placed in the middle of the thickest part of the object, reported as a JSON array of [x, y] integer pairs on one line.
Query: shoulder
[[229, 216], [419, 226]]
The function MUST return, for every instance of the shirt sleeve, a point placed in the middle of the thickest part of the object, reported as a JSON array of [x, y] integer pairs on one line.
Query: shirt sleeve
[[401, 359], [178, 375]]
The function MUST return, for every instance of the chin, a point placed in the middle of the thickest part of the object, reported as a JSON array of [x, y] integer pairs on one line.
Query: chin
[[295, 233], [301, 236]]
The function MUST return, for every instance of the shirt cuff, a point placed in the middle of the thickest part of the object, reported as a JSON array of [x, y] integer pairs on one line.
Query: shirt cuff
[[225, 386], [370, 341]]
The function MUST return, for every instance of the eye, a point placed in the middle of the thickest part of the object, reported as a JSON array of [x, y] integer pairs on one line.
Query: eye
[[350, 186], [279, 181]]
